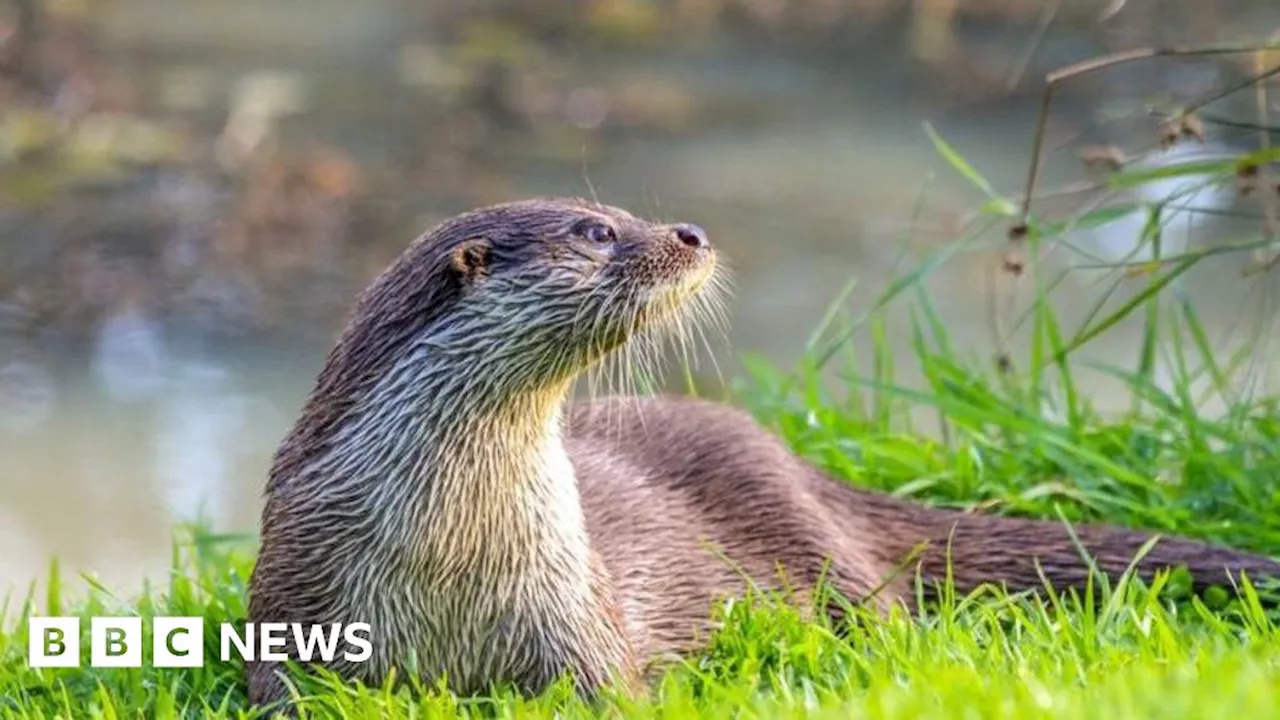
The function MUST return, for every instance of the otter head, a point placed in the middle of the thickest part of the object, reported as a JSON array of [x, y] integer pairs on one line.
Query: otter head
[[519, 296], [554, 285]]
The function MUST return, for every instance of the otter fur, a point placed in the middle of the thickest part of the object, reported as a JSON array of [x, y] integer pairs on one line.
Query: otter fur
[[439, 485]]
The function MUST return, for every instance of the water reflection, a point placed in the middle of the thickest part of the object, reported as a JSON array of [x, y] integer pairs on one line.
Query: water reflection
[[27, 396], [198, 443], [130, 360], [28, 393], [1187, 205]]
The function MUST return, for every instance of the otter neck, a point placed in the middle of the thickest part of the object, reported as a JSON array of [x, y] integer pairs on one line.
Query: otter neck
[[481, 480]]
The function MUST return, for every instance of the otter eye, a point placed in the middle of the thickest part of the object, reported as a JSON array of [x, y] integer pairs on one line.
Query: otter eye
[[599, 233]]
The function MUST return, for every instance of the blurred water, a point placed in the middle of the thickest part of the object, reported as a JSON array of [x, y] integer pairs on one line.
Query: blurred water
[[158, 420]]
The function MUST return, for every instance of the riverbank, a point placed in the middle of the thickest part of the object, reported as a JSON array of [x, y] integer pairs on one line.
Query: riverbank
[[1006, 439]]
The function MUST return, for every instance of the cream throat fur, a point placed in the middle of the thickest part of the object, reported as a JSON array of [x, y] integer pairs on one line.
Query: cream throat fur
[[472, 486], [481, 501]]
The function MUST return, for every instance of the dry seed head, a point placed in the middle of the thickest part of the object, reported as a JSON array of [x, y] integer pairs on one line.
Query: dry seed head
[[1108, 157], [1183, 125], [1191, 126], [1013, 264]]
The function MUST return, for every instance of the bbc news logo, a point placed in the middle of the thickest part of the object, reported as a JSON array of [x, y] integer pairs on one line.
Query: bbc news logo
[[178, 642]]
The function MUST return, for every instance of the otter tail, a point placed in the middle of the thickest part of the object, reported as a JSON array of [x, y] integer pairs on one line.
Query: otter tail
[[1022, 554]]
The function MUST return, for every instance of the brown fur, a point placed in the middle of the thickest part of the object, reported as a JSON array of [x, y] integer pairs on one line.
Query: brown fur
[[437, 485], [661, 475]]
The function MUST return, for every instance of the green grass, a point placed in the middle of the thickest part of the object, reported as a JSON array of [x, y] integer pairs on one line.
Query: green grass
[[1133, 654], [1018, 440]]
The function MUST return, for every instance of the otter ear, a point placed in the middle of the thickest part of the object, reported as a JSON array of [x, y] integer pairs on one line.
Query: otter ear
[[470, 260]]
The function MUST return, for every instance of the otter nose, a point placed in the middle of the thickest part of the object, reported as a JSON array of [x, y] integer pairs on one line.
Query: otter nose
[[691, 235]]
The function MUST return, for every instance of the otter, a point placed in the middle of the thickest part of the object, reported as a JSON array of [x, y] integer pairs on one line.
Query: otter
[[440, 485]]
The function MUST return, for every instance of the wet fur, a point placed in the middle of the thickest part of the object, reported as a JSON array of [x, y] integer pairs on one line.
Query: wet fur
[[438, 486]]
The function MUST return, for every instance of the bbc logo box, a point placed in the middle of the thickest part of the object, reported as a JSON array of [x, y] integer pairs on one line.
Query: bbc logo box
[[176, 642]]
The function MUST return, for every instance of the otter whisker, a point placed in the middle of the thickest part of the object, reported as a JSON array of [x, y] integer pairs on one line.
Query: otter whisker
[[606, 311], [596, 349], [710, 304], [622, 378], [639, 356], [631, 377]]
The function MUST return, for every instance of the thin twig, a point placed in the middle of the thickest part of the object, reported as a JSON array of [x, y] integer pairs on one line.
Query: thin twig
[[1264, 140], [1092, 65], [1111, 10], [1251, 81], [1046, 19]]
